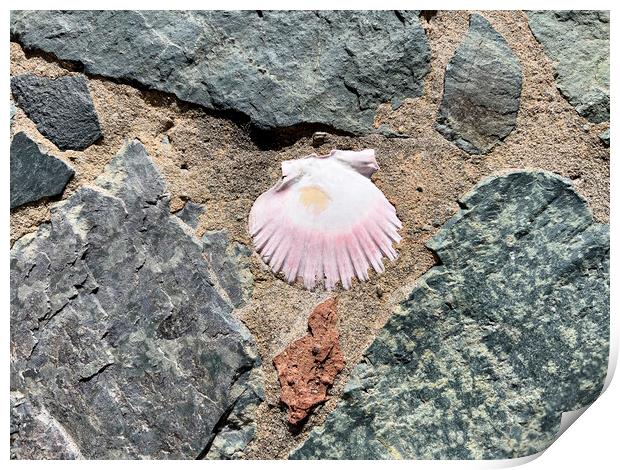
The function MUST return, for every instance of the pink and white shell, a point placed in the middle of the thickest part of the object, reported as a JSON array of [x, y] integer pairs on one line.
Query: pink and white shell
[[325, 220]]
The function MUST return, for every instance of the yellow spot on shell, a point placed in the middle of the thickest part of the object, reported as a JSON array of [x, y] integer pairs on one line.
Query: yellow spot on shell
[[313, 198]]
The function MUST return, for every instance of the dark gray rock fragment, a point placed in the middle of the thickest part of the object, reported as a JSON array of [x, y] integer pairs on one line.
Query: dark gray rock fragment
[[511, 330], [280, 68], [190, 213], [34, 174], [62, 109], [482, 89], [604, 136], [118, 335], [231, 265], [578, 44]]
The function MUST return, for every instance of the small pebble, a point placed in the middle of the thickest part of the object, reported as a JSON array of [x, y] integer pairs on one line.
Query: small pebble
[[319, 138]]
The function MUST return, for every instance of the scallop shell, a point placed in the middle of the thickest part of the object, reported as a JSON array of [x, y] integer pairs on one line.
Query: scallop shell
[[325, 220]]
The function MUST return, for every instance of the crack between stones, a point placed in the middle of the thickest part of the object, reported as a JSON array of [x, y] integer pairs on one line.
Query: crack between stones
[[222, 422], [219, 426], [99, 372], [400, 17], [354, 91]]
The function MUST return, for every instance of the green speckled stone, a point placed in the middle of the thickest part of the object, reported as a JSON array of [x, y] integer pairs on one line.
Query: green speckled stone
[[494, 343]]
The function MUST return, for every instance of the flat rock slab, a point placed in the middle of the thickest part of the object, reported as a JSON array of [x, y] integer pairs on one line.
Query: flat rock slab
[[578, 44], [62, 109], [280, 68], [307, 367], [492, 345], [482, 89], [34, 174], [120, 341]]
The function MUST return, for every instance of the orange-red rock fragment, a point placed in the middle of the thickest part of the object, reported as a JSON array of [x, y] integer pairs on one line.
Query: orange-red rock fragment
[[308, 366]]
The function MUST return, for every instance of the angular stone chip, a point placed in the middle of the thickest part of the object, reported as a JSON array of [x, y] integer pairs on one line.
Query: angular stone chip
[[34, 174], [482, 90], [62, 109]]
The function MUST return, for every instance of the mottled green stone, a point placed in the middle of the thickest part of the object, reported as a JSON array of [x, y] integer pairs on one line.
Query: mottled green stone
[[509, 330]]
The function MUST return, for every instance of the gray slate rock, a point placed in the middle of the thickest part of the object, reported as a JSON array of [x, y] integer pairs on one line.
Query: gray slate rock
[[35, 433], [578, 44], [190, 213], [62, 109], [280, 68], [492, 345], [118, 336], [482, 89], [231, 265], [34, 174], [229, 261], [604, 136]]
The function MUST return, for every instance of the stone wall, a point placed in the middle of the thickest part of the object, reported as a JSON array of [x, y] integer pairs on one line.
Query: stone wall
[[143, 324]]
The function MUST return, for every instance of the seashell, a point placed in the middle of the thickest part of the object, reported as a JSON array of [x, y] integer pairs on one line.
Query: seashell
[[325, 220]]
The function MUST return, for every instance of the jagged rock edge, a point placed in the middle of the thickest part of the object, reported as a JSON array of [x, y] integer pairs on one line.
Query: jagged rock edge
[[264, 139]]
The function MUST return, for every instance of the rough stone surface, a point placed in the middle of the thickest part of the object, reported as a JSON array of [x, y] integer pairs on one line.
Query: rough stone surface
[[492, 345], [308, 366], [36, 434], [604, 136], [578, 43], [280, 68], [35, 175], [482, 89], [230, 264], [190, 213], [62, 109], [121, 346], [239, 427]]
